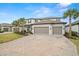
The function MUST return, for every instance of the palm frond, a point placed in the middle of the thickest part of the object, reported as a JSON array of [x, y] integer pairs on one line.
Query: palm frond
[[65, 15]]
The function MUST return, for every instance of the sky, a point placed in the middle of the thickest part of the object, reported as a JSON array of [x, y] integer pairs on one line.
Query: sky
[[13, 11]]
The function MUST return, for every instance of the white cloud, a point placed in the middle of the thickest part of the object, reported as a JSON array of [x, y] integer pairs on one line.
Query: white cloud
[[42, 12], [63, 5], [63, 10]]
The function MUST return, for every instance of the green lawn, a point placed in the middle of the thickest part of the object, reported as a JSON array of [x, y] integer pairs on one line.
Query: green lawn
[[9, 37], [76, 42]]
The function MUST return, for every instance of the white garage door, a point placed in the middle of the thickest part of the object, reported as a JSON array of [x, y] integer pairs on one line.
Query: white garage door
[[57, 30], [41, 30]]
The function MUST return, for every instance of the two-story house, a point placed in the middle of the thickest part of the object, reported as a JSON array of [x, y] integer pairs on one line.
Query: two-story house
[[47, 26]]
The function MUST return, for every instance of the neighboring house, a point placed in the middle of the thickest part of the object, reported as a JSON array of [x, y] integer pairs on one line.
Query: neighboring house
[[9, 28], [48, 26], [75, 27], [6, 27]]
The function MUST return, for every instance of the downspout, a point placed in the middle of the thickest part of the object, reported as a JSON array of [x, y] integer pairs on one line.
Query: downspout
[[78, 28]]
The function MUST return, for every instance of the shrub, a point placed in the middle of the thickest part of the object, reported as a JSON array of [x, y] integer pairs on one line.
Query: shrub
[[66, 34], [30, 32], [23, 32], [1, 31], [74, 34]]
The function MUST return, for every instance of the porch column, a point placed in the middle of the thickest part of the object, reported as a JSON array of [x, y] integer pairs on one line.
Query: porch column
[[50, 29], [32, 29], [63, 29], [2, 28]]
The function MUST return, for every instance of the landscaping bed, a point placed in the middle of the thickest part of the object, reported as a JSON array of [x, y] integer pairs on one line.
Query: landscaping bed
[[9, 37], [75, 39]]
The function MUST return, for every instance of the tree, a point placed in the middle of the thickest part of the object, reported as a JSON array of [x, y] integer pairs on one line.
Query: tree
[[19, 22], [16, 23], [22, 21], [71, 14]]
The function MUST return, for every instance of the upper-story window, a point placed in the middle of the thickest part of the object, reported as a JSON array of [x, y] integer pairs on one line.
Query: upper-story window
[[29, 21], [36, 20]]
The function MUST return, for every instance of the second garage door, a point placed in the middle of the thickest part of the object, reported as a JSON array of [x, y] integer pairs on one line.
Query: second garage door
[[41, 30], [57, 30]]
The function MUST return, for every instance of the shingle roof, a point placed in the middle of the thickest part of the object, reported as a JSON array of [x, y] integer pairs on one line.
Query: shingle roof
[[5, 24], [47, 18], [49, 22], [74, 23]]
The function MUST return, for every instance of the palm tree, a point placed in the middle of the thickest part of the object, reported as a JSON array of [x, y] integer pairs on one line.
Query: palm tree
[[19, 22], [16, 24], [71, 14], [22, 22]]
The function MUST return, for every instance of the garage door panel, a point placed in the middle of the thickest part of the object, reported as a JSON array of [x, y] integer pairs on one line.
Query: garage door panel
[[41, 30], [57, 30]]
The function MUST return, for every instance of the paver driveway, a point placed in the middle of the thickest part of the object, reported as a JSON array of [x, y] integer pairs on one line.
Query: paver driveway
[[39, 45]]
